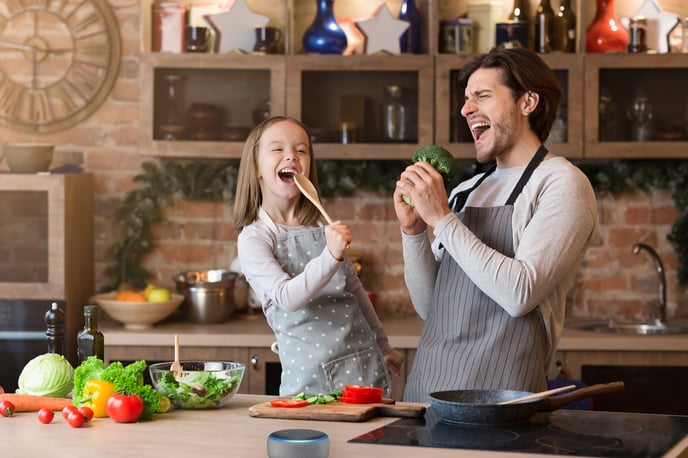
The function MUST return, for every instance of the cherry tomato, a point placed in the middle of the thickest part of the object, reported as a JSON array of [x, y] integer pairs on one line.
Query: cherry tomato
[[45, 416], [7, 408], [124, 408], [87, 412], [67, 410], [288, 403], [76, 419]]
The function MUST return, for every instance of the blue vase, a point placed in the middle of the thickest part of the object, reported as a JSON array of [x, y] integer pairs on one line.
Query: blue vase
[[409, 42], [324, 36]]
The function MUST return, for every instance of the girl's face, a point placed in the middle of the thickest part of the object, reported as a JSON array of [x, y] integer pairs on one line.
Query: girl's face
[[283, 151]]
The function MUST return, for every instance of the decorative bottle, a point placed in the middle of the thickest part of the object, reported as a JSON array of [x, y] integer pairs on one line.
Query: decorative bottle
[[410, 40], [90, 341], [519, 15], [324, 35], [394, 115], [54, 319], [564, 29], [605, 33], [544, 19]]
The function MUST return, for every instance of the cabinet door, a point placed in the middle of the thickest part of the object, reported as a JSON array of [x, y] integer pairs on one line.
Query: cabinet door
[[615, 127], [264, 371], [451, 130], [234, 86], [326, 90]]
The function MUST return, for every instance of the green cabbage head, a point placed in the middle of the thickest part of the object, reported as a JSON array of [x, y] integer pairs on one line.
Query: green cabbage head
[[48, 374]]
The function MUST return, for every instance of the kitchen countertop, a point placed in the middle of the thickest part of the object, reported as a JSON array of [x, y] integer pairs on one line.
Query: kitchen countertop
[[229, 431], [253, 331]]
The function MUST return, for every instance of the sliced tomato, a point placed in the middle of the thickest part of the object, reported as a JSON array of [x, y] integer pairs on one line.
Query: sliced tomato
[[356, 394], [288, 403]]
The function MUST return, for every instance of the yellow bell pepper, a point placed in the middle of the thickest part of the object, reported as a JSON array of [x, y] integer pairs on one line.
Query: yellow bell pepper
[[96, 394]]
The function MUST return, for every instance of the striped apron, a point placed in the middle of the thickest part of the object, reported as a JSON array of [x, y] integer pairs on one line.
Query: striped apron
[[469, 341]]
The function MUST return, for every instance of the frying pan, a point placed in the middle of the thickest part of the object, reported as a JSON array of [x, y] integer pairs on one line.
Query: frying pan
[[480, 407]]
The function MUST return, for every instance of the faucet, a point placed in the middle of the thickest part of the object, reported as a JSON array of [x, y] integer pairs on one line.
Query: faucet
[[662, 282]]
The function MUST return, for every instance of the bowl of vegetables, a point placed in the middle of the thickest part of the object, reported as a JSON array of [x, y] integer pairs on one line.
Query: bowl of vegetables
[[200, 384]]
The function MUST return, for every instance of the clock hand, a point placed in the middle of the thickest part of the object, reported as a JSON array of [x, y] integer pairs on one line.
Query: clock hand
[[29, 48]]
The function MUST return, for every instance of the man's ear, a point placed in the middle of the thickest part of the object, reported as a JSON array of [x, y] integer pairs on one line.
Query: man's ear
[[529, 101]]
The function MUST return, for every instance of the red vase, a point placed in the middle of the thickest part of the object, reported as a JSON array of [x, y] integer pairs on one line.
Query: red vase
[[605, 33]]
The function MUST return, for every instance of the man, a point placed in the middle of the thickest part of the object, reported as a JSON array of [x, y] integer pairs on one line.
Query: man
[[492, 284]]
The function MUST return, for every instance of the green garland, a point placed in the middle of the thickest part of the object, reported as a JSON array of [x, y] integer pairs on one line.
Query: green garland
[[215, 181]]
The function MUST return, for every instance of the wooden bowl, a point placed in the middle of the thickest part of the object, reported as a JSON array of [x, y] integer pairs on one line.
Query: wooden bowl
[[137, 315]]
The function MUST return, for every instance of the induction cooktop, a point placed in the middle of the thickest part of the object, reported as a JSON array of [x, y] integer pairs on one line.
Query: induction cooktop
[[563, 432]]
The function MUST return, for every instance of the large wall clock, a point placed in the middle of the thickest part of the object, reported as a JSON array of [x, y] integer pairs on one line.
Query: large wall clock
[[58, 61]]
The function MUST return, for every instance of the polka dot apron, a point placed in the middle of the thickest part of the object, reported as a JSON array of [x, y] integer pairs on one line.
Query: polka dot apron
[[327, 343]]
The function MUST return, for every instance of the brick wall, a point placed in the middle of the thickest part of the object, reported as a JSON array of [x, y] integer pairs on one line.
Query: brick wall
[[201, 236]]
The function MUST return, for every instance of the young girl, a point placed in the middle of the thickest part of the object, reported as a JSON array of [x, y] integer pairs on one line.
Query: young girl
[[326, 329]]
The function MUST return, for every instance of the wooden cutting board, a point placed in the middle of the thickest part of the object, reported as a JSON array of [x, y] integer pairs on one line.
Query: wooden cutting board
[[339, 411]]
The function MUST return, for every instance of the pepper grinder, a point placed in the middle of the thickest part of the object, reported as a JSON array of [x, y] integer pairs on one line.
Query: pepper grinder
[[54, 318]]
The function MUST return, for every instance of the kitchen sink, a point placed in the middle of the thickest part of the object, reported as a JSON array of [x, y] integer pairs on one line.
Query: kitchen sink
[[611, 327]]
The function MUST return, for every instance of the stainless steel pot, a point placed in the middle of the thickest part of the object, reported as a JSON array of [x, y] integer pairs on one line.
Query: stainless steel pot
[[208, 295]]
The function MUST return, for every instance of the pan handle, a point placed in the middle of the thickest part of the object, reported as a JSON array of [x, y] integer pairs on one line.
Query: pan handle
[[555, 402]]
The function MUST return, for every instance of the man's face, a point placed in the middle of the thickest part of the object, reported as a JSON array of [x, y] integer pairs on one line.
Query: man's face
[[492, 114]]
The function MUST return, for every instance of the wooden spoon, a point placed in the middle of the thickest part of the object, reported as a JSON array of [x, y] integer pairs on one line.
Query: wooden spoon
[[541, 394], [308, 190], [176, 366]]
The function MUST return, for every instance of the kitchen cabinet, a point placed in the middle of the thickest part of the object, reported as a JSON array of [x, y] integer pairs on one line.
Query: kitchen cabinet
[[654, 380], [324, 90], [613, 82], [46, 255]]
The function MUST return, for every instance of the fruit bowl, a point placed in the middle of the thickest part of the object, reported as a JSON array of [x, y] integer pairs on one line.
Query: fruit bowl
[[137, 315], [200, 384]]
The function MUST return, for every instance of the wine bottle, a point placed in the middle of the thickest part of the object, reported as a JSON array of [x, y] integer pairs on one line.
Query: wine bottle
[[564, 29], [90, 341], [544, 18]]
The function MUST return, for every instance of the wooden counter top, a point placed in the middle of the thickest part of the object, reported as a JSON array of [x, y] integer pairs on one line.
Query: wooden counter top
[[253, 331], [213, 433]]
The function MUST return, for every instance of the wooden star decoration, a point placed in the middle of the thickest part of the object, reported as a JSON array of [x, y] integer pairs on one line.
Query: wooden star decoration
[[236, 27], [382, 32], [659, 24]]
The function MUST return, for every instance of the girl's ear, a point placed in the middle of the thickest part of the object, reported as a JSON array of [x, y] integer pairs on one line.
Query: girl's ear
[[529, 101]]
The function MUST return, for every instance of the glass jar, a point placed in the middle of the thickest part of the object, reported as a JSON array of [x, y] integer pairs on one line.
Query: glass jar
[[642, 118], [394, 115]]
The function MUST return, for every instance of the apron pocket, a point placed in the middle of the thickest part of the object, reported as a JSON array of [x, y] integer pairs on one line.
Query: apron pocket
[[365, 367]]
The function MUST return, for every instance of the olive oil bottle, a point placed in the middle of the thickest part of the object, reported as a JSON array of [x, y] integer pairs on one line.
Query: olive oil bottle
[[90, 341]]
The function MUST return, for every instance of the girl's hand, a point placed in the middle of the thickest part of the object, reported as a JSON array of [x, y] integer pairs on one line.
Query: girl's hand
[[394, 359], [338, 238]]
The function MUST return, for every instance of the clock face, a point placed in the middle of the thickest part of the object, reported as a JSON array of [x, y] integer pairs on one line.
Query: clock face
[[58, 61]]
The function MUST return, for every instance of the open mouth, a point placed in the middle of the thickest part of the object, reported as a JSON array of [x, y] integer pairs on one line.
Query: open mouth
[[286, 175], [478, 129]]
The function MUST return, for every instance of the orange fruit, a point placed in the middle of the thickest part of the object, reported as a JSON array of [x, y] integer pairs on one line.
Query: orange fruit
[[130, 296]]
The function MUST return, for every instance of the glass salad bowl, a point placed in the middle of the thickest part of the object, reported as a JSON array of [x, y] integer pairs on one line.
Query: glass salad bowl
[[200, 384]]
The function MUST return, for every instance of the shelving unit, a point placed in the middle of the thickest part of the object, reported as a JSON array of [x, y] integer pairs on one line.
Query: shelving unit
[[312, 87]]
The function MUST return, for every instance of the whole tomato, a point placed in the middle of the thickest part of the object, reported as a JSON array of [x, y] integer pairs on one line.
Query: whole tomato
[[7, 408], [76, 419], [124, 408], [87, 412], [45, 416], [67, 410]]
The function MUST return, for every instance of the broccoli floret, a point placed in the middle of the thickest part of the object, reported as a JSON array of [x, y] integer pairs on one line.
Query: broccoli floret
[[442, 160]]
